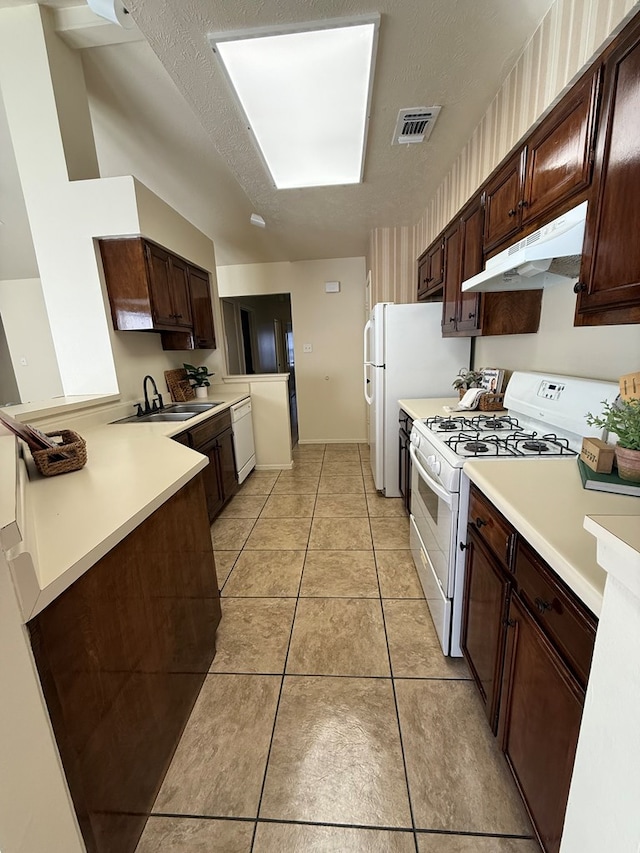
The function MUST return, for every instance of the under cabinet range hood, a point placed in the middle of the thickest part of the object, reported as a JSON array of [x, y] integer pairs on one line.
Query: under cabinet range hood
[[549, 256]]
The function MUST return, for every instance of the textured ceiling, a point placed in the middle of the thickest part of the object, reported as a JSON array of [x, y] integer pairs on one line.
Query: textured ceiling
[[170, 118]]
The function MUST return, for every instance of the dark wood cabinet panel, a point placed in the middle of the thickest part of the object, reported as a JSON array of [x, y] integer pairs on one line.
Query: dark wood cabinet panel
[[469, 304], [452, 277], [491, 527], [214, 439], [609, 285], [431, 271], [486, 593], [122, 655], [202, 333], [503, 211], [560, 152], [539, 723], [151, 289], [404, 461]]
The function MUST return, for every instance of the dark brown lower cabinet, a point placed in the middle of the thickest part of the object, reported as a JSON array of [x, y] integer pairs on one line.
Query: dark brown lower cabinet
[[214, 438], [121, 656], [539, 723], [486, 599], [528, 641], [404, 458]]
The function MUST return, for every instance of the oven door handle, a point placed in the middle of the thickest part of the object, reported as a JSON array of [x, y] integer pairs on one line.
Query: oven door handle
[[439, 490]]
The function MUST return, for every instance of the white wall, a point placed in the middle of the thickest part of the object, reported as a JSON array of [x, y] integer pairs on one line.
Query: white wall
[[597, 352], [328, 380], [26, 326]]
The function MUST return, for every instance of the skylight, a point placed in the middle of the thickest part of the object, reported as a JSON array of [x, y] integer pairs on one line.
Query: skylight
[[305, 95]]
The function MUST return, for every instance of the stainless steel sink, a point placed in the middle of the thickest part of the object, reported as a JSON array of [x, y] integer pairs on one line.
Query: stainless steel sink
[[176, 412], [191, 407]]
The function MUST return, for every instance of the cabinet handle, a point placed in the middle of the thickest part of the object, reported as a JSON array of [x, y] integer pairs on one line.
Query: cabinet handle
[[471, 316], [452, 319], [579, 287], [463, 546], [512, 212], [523, 203], [430, 278], [480, 522], [509, 623], [178, 316], [542, 605]]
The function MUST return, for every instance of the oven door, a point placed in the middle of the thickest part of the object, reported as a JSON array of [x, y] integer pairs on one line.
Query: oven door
[[434, 525]]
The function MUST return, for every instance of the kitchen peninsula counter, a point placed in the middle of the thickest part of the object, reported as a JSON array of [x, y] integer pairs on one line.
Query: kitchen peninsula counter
[[545, 502], [65, 524]]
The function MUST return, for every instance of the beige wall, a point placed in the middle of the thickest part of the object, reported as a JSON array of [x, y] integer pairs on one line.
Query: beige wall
[[26, 327], [328, 380]]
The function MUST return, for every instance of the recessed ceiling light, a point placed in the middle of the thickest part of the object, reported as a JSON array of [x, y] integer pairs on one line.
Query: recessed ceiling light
[[305, 93]]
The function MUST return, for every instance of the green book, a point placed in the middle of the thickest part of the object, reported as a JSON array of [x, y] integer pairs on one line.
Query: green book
[[606, 482]]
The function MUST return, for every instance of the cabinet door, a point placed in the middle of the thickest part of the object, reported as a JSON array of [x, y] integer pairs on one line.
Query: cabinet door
[[180, 291], [404, 469], [486, 592], [472, 228], [160, 278], [502, 210], [452, 273], [202, 310], [609, 286], [431, 270], [560, 152], [227, 465], [539, 723], [212, 480]]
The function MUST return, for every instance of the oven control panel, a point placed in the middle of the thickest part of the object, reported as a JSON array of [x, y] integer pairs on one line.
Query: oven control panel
[[550, 390]]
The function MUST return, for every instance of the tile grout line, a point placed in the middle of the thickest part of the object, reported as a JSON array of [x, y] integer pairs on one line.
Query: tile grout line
[[284, 670], [395, 698]]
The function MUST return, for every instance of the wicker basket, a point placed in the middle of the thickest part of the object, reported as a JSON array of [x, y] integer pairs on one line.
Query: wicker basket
[[487, 402], [50, 462], [179, 386]]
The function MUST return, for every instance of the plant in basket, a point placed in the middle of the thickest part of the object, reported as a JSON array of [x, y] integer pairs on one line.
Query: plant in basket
[[623, 419], [467, 379]]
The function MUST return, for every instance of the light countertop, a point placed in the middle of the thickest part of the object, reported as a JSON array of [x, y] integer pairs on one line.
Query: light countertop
[[72, 520], [545, 502], [429, 408]]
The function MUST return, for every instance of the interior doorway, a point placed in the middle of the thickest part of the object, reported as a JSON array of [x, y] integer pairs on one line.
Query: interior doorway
[[259, 338]]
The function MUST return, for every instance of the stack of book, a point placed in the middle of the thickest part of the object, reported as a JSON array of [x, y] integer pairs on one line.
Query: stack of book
[[606, 482]]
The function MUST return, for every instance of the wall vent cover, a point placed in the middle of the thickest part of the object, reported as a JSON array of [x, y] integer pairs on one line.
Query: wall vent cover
[[415, 124]]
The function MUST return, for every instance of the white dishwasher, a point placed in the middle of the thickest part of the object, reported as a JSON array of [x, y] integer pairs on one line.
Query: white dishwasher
[[243, 445]]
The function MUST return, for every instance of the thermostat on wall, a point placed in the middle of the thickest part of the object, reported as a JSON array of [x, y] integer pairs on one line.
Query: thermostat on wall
[[332, 286]]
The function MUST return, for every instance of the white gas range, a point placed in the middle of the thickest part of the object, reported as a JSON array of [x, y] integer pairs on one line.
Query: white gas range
[[545, 419]]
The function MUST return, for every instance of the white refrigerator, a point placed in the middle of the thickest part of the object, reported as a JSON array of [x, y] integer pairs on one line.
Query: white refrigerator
[[405, 357]]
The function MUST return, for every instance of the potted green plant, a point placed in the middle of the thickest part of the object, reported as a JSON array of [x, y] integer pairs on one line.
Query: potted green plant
[[199, 378], [467, 379], [623, 419]]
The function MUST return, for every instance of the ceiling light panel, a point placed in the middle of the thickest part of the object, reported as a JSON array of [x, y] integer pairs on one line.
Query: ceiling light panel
[[305, 95]]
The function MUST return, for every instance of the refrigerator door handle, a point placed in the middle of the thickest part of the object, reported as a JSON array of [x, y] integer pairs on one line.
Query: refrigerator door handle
[[367, 326], [366, 382]]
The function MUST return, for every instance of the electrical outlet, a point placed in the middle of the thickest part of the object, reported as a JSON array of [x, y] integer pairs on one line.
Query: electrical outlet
[[307, 348]]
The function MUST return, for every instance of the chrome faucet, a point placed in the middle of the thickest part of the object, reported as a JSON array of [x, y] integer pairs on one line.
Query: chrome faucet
[[156, 404]]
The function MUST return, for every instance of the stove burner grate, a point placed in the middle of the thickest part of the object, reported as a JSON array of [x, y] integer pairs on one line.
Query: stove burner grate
[[448, 426], [476, 447]]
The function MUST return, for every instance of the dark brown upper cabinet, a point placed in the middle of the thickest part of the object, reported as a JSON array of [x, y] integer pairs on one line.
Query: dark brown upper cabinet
[[151, 289], [503, 210], [560, 152], [466, 314], [609, 285], [431, 271], [202, 333], [548, 174]]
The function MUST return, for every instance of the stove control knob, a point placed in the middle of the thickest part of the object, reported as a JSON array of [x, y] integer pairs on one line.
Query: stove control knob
[[434, 464]]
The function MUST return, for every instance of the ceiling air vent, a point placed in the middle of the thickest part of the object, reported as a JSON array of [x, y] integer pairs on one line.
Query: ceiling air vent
[[415, 124]]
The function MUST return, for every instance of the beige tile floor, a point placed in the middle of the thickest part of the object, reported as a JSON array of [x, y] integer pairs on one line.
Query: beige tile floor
[[330, 721]]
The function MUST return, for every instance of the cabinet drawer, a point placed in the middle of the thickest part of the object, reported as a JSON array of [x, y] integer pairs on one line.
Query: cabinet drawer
[[568, 625], [491, 527], [210, 429]]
